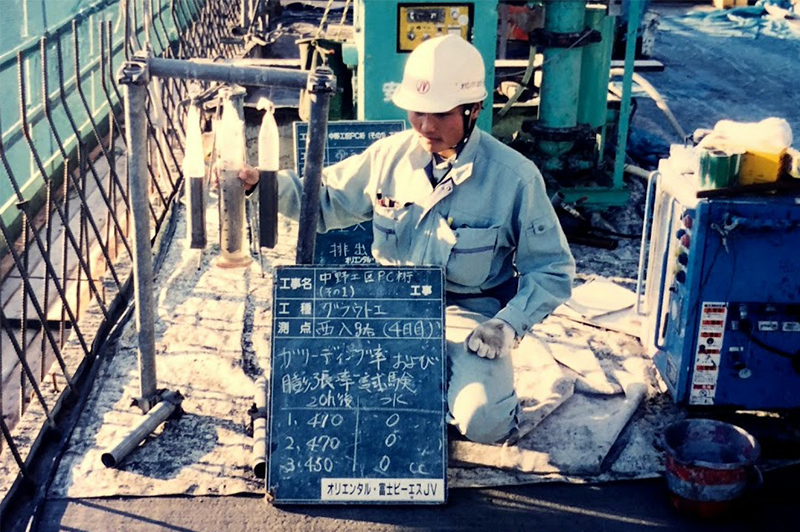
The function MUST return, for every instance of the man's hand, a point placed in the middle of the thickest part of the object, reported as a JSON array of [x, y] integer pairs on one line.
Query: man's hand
[[493, 338], [249, 177]]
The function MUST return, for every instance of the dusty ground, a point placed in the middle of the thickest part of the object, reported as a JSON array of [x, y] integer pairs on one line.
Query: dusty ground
[[706, 78]]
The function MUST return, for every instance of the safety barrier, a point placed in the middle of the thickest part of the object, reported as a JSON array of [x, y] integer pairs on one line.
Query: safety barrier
[[65, 221]]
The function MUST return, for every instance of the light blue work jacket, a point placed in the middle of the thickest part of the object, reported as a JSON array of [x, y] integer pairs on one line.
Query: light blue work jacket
[[488, 220]]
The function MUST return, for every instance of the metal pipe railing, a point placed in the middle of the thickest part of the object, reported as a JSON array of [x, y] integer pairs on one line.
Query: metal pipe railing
[[321, 86], [168, 405], [226, 73], [134, 79], [55, 251]]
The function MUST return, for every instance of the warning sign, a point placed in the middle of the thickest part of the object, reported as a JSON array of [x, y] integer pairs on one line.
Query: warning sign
[[705, 371]]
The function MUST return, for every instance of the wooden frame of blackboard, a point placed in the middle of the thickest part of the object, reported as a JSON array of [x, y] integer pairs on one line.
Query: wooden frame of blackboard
[[318, 452]]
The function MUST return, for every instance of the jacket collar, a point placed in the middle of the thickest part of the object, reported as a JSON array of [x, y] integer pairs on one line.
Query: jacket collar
[[462, 168], [463, 165]]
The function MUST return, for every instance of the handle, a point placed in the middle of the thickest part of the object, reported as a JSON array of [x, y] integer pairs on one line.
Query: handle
[[663, 278], [648, 207], [755, 480]]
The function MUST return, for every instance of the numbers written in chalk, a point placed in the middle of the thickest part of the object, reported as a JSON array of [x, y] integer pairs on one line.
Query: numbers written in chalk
[[357, 384]]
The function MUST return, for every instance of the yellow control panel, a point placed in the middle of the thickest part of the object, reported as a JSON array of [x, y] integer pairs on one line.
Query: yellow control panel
[[419, 22]]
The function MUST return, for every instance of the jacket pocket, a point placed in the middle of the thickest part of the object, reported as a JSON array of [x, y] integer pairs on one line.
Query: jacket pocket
[[387, 223], [471, 258]]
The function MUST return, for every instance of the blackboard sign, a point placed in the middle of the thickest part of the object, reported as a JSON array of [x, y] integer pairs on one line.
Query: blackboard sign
[[345, 138], [352, 245], [349, 246], [357, 411]]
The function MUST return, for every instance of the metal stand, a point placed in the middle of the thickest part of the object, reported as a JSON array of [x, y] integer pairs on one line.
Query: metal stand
[[135, 76]]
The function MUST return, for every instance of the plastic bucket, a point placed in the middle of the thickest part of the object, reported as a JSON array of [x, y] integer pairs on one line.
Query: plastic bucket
[[708, 464]]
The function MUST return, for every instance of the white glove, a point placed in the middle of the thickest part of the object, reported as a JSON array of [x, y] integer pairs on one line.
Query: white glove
[[493, 338]]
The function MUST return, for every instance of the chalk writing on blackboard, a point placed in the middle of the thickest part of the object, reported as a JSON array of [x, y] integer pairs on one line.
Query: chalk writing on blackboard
[[345, 138], [349, 246], [358, 373]]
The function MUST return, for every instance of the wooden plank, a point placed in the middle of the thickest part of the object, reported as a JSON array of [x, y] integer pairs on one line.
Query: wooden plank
[[11, 294], [10, 380]]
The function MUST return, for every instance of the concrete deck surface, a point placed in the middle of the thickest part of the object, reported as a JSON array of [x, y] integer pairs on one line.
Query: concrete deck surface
[[622, 506], [706, 78]]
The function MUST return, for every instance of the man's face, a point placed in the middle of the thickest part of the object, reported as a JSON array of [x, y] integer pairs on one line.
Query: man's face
[[439, 132]]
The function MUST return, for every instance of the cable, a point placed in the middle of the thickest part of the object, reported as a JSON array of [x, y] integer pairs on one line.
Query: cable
[[747, 327], [529, 70], [526, 78], [656, 97]]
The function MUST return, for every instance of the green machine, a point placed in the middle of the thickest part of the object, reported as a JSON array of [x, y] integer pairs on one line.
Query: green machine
[[568, 126], [386, 31]]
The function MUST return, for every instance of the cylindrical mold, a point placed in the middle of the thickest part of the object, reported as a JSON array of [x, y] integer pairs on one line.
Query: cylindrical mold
[[595, 66], [135, 92], [196, 195], [561, 73], [268, 209], [231, 148], [244, 16], [268, 163], [259, 461], [233, 251], [321, 86], [194, 169], [160, 413]]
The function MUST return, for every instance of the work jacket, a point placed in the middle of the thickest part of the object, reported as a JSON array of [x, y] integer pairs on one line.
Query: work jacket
[[488, 220]]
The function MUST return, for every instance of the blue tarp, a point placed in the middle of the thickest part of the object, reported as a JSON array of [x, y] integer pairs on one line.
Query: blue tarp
[[749, 22]]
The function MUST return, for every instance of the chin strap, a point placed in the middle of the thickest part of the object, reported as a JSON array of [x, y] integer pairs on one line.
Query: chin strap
[[469, 126]]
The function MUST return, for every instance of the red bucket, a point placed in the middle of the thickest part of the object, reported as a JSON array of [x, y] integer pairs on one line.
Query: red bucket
[[709, 464]]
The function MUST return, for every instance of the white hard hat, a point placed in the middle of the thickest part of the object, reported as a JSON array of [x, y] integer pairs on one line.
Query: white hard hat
[[440, 74]]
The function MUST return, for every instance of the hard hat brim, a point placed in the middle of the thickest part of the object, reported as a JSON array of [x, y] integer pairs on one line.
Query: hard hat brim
[[412, 101], [418, 103]]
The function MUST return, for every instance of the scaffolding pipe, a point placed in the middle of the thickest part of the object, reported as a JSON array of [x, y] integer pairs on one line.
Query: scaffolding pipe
[[168, 406], [233, 74], [134, 77], [321, 86], [259, 413]]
